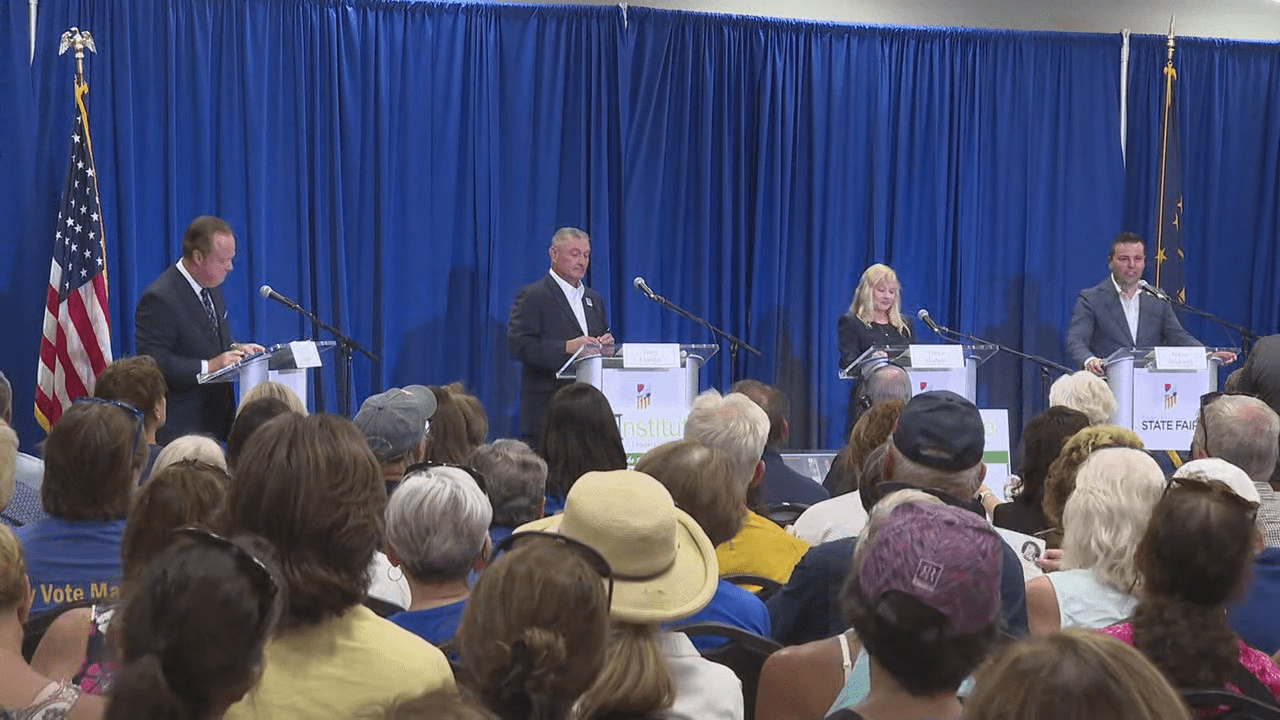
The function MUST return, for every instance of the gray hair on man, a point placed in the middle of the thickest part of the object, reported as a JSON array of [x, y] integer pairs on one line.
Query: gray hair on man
[[732, 423], [1242, 430], [517, 479], [438, 524], [565, 234], [1085, 392], [886, 383]]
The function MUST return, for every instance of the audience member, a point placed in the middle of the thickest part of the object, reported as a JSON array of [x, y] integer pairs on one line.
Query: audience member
[[937, 446], [193, 629], [19, 502], [925, 601], [1042, 440], [76, 644], [887, 384], [806, 681], [517, 480], [579, 434], [1105, 518], [273, 389], [437, 533], [436, 705], [28, 469], [1084, 392], [739, 428], [1073, 675], [1194, 560], [25, 693], [395, 424], [1060, 481], [93, 458], [332, 655], [702, 483], [780, 483], [249, 417], [664, 569], [458, 426], [200, 448], [534, 634], [1244, 431], [843, 515], [137, 381]]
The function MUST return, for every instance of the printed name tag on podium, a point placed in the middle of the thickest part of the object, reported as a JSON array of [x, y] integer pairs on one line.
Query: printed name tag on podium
[[936, 357], [1180, 358], [651, 355], [305, 354]]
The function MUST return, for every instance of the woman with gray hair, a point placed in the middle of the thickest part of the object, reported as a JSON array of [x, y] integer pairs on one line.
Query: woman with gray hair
[[1103, 521], [517, 480], [1085, 392], [437, 532]]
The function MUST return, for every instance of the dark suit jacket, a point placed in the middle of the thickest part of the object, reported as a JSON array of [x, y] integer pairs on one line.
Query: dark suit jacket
[[1098, 327], [1261, 373], [856, 337], [781, 484], [537, 329], [173, 328]]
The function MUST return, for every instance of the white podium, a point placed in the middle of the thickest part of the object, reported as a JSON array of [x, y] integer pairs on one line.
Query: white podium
[[930, 367], [1158, 391], [649, 386], [286, 363]]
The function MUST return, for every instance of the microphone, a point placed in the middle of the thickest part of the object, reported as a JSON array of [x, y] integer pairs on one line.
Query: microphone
[[924, 316], [1152, 290], [643, 287], [266, 292]]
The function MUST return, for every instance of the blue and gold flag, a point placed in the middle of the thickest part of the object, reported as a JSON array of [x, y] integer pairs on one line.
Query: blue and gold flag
[[1170, 260]]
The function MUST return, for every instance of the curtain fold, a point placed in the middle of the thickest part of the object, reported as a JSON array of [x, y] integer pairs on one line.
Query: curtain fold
[[400, 167]]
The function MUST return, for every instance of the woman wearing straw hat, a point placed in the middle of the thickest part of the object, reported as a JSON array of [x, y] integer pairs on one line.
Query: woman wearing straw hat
[[664, 569]]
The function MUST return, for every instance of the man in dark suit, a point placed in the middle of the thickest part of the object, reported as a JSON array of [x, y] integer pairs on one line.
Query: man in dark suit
[[551, 320], [1260, 375], [1115, 314], [182, 322], [780, 483]]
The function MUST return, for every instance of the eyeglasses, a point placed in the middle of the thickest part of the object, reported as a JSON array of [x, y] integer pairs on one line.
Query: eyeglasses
[[586, 552], [257, 570], [429, 464], [135, 412], [1212, 487]]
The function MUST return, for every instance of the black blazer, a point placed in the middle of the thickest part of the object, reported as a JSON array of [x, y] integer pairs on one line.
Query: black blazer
[[1098, 327], [856, 336], [537, 329], [1261, 373], [173, 328]]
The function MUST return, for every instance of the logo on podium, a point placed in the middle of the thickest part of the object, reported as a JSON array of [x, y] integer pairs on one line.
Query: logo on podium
[[1170, 396], [643, 397]]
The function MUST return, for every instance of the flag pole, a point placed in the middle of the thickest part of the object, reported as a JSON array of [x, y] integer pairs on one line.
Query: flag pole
[[79, 40]]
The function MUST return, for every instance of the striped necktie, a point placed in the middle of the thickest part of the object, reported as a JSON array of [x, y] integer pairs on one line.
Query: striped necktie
[[207, 299]]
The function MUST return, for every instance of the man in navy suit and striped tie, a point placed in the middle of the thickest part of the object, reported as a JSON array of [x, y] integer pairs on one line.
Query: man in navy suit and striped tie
[[181, 321]]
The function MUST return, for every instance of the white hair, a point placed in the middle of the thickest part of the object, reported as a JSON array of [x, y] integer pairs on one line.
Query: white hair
[[733, 424], [1085, 392], [961, 484], [1106, 515], [8, 463], [190, 447], [517, 480], [438, 523], [1242, 430], [880, 512]]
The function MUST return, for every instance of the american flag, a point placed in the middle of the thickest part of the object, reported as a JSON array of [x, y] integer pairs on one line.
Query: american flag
[[77, 325]]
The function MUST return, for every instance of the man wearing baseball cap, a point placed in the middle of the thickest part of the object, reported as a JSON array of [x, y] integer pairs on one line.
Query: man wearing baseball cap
[[937, 446], [395, 423]]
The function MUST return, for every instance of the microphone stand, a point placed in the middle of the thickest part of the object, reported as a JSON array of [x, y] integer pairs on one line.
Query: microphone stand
[[1045, 365], [1247, 336], [734, 342], [345, 345]]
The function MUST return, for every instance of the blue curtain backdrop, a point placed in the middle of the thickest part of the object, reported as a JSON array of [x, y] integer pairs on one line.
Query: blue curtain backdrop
[[399, 167]]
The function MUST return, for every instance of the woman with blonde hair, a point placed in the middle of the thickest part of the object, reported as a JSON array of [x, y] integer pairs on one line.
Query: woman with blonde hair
[[24, 692], [1105, 517], [273, 389], [874, 316], [1060, 481], [1078, 675], [201, 448]]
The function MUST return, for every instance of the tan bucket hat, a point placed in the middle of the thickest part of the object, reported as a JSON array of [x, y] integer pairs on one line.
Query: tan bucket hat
[[664, 566]]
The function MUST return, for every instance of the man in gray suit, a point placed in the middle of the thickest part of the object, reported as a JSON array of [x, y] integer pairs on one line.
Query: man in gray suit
[[1115, 314]]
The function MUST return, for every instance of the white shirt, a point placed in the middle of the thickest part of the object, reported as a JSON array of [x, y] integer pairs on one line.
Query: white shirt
[[1130, 307], [575, 296], [195, 288], [704, 690], [840, 517]]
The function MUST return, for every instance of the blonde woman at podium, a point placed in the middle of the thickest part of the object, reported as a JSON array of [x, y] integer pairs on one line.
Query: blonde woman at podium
[[874, 316]]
